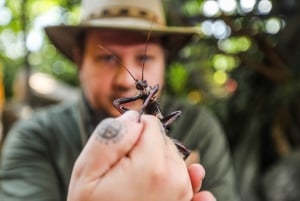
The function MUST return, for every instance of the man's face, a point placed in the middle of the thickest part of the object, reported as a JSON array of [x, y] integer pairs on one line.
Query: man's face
[[102, 72]]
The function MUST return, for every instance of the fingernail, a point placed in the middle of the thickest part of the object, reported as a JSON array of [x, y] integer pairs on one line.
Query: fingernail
[[131, 115]]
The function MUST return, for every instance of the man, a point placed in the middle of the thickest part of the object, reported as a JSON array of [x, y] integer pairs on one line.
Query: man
[[109, 48]]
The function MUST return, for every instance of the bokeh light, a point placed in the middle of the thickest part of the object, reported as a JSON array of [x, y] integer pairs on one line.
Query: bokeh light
[[272, 26], [42, 83], [217, 28], [2, 2], [224, 62], [210, 8], [195, 97], [5, 16], [227, 6], [220, 29], [12, 43], [264, 7], [220, 77], [34, 40], [207, 27], [235, 45], [231, 85], [247, 5]]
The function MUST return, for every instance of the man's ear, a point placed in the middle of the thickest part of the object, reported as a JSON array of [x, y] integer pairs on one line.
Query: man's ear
[[77, 57]]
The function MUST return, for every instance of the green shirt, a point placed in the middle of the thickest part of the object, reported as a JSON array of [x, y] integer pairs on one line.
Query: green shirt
[[39, 153]]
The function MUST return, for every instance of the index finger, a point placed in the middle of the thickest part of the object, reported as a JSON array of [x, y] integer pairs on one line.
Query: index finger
[[112, 139]]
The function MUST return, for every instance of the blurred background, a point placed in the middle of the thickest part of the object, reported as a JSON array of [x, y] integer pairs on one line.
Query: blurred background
[[245, 68]]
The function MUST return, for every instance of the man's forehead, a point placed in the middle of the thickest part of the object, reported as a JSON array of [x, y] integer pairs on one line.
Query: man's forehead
[[120, 36]]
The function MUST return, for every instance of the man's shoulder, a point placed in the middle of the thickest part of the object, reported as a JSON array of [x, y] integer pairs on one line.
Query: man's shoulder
[[54, 112], [170, 103], [52, 125], [195, 120], [49, 117]]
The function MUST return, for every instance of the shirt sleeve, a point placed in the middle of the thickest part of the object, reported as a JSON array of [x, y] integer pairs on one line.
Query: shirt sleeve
[[214, 156], [26, 170], [38, 156]]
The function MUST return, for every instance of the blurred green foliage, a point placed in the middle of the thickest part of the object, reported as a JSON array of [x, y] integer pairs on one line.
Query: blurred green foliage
[[203, 67], [23, 43]]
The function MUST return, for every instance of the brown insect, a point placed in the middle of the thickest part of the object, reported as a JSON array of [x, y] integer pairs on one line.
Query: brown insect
[[148, 94]]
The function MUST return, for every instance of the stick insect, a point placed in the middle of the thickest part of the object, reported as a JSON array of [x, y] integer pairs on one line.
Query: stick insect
[[148, 94]]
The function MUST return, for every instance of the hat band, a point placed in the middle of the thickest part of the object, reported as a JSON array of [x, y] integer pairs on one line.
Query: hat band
[[117, 11]]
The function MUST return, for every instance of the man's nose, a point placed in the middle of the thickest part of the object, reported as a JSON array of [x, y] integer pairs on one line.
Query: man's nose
[[125, 77]]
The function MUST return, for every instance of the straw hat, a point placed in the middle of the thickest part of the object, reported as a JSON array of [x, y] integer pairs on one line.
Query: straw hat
[[132, 15]]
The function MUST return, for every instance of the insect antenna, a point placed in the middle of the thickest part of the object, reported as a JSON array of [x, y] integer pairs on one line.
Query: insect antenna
[[145, 53], [118, 61]]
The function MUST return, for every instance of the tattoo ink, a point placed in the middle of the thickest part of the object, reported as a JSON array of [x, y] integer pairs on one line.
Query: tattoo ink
[[110, 131]]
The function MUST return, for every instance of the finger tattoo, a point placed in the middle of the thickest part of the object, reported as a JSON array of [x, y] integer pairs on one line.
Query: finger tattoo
[[110, 130]]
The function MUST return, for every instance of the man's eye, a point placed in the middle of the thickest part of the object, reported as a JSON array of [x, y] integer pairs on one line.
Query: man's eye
[[107, 58], [144, 58]]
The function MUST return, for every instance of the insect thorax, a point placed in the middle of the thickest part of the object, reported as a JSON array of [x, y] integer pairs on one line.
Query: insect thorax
[[141, 84]]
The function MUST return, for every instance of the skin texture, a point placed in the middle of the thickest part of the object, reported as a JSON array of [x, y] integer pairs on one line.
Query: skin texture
[[126, 158]]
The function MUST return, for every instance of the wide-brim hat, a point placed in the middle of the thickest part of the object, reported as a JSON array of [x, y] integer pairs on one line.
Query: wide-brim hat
[[142, 16]]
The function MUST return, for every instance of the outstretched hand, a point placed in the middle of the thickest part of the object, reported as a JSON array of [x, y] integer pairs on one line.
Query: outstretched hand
[[126, 160]]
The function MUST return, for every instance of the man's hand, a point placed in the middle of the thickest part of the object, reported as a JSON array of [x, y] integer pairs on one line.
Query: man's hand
[[127, 160]]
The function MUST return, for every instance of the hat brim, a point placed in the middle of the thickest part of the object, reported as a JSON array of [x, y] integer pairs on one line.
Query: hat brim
[[64, 37]]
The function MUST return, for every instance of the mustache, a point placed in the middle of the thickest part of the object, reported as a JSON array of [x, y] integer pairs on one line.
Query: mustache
[[129, 93]]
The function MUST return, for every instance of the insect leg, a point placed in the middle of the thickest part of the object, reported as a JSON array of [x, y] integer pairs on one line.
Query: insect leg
[[118, 103], [166, 121], [152, 93], [181, 148]]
